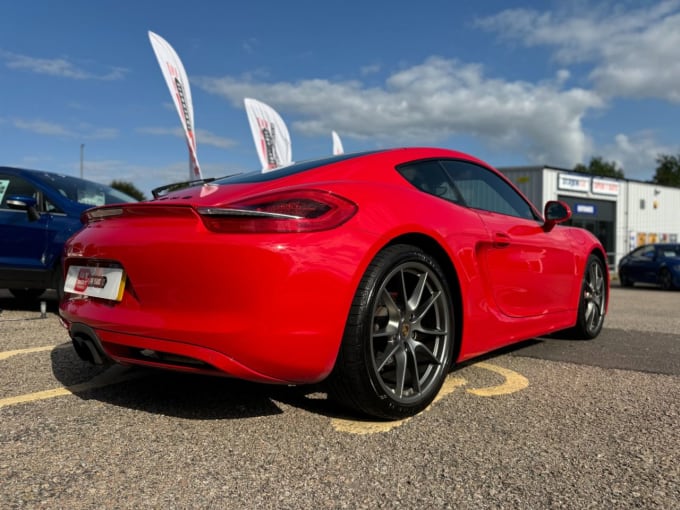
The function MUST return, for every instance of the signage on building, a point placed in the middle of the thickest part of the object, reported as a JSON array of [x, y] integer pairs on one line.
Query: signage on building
[[573, 182], [605, 187]]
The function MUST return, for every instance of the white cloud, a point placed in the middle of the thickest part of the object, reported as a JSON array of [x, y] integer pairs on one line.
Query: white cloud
[[203, 137], [370, 69], [429, 103], [46, 128], [637, 151], [58, 67], [633, 53], [42, 127]]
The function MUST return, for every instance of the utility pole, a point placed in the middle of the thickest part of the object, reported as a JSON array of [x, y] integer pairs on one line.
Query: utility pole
[[82, 150]]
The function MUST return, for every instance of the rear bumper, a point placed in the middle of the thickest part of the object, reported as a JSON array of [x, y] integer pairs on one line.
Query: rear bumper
[[102, 347]]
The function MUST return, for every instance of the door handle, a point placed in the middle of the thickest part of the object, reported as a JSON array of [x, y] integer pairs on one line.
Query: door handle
[[501, 240]]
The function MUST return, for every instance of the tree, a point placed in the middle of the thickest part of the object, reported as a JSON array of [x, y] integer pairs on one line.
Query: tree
[[599, 167], [668, 171], [128, 188]]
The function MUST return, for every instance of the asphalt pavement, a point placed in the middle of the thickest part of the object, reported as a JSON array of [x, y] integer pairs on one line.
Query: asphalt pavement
[[550, 423]]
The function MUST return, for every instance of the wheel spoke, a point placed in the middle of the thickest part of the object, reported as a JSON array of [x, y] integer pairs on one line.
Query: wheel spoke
[[419, 346], [421, 311], [386, 357], [393, 315], [414, 300], [413, 362], [401, 362], [393, 310]]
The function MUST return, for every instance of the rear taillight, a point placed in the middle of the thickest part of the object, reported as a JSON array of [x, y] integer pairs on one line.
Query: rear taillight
[[290, 211]]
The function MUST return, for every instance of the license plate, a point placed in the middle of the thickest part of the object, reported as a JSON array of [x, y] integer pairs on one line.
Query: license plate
[[99, 282]]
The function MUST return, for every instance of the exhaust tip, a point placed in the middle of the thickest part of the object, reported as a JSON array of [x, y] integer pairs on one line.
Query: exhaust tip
[[86, 345]]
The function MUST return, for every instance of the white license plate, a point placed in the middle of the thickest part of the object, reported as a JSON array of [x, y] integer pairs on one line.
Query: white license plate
[[100, 282]]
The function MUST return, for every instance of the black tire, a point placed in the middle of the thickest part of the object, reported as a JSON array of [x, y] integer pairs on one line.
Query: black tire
[[27, 294], [399, 338], [593, 301], [666, 279], [625, 281]]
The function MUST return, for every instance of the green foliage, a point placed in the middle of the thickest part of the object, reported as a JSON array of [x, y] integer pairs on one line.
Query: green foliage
[[668, 171], [601, 168], [128, 188]]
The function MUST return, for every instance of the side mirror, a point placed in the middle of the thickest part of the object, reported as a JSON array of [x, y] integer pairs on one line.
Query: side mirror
[[24, 203], [555, 212]]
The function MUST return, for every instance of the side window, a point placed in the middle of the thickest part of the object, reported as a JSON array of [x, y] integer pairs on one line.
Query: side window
[[483, 189], [648, 252], [13, 185], [49, 207], [430, 177]]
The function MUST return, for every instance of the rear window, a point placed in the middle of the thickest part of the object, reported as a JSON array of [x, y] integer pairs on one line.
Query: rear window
[[287, 170]]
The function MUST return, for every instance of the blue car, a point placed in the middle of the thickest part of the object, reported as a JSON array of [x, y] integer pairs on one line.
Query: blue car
[[39, 211], [658, 264]]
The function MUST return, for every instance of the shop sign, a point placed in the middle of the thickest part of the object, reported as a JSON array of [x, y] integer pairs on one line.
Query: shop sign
[[573, 182], [605, 187]]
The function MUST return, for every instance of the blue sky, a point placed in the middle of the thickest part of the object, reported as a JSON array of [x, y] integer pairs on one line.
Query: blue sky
[[512, 82]]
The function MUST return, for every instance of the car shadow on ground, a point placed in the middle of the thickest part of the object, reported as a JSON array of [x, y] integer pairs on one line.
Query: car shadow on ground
[[182, 395], [201, 397], [155, 391]]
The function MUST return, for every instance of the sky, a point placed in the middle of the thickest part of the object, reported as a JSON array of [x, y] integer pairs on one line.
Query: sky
[[511, 82]]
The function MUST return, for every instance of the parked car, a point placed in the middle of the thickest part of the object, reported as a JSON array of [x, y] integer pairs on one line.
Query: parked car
[[38, 212], [373, 272], [658, 264]]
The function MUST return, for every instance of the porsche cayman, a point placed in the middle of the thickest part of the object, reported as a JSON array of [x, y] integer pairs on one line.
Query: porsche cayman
[[373, 272]]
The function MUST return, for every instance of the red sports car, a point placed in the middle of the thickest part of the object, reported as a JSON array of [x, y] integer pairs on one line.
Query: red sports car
[[373, 271]]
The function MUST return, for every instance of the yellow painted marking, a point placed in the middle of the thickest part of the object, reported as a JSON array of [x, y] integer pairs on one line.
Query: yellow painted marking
[[513, 382], [372, 427], [9, 354], [114, 375]]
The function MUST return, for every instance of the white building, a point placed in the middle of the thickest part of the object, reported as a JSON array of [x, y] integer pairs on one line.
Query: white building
[[622, 213]]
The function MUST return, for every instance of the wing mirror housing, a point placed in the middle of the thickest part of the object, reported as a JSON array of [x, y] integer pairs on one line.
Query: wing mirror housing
[[555, 212], [24, 203]]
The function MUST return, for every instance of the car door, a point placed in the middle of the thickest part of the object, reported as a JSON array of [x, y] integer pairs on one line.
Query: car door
[[528, 271], [642, 265], [28, 237]]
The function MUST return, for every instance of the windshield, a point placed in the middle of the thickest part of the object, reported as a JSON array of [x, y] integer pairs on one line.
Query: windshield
[[85, 192]]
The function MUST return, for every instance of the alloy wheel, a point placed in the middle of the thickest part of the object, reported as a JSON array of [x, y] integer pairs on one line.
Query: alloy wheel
[[411, 332]]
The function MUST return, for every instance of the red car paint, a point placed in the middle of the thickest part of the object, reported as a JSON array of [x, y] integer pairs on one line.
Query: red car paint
[[271, 306]]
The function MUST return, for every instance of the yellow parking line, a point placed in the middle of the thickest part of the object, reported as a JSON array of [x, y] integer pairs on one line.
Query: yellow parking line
[[513, 381], [114, 375], [9, 354], [373, 427]]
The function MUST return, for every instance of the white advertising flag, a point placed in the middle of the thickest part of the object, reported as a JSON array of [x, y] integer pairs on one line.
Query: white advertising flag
[[337, 144], [270, 134], [178, 84]]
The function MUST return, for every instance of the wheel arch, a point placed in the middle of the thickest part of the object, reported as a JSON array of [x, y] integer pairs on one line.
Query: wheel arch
[[434, 249]]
